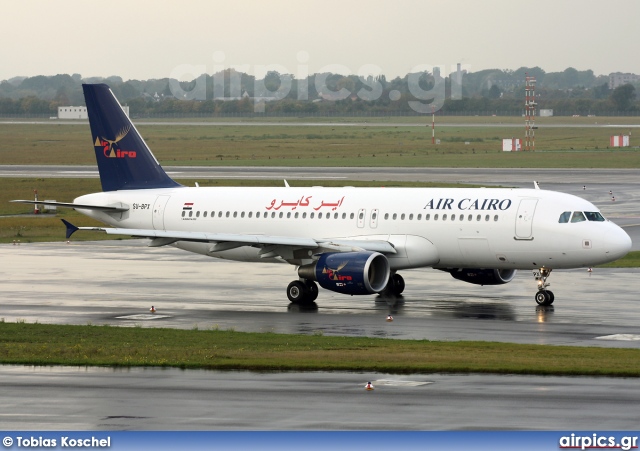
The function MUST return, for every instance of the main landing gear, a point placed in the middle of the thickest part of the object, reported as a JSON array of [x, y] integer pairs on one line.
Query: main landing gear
[[302, 291], [395, 286], [543, 296]]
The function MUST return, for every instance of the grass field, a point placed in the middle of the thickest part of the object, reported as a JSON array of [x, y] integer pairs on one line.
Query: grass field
[[39, 344], [278, 144]]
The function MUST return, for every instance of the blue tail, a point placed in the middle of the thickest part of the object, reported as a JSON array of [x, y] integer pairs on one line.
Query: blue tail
[[124, 160]]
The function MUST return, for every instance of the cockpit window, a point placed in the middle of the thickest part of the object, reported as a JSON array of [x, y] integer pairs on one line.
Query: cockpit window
[[594, 216], [564, 217], [578, 216]]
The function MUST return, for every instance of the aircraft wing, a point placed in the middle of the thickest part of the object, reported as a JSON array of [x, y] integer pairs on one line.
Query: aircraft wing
[[230, 240]]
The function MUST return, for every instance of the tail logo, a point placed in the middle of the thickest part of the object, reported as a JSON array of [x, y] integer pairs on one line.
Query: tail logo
[[111, 148]]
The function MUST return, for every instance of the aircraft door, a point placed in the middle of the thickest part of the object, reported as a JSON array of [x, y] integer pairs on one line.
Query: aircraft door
[[158, 212], [361, 215], [374, 218], [524, 219]]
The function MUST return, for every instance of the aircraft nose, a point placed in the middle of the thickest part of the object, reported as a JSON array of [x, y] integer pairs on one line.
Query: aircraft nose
[[618, 243]]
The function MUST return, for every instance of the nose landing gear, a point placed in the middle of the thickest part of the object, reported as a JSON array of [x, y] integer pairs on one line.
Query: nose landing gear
[[543, 296]]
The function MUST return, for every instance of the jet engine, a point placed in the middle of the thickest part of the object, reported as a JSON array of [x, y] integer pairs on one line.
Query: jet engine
[[349, 272], [483, 276]]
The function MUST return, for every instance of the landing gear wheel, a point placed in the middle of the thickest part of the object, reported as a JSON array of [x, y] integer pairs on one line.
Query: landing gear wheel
[[395, 286], [297, 292], [312, 290], [396, 283], [544, 297]]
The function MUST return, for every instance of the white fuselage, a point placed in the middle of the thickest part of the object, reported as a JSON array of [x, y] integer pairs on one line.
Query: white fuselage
[[439, 227]]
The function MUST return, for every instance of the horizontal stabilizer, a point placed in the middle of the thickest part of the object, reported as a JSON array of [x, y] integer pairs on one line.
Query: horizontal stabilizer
[[70, 228], [115, 208]]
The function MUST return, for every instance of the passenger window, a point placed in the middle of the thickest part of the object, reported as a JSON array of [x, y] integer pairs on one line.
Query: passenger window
[[257, 214], [288, 214], [250, 214], [427, 217], [235, 214], [594, 216], [402, 216], [461, 217], [386, 216], [444, 217], [311, 215], [351, 216], [564, 217], [198, 214], [453, 217], [183, 213], [486, 218], [361, 215], [213, 213], [320, 215], [374, 216], [395, 216], [190, 213], [478, 217], [435, 217], [344, 216], [280, 215], [296, 215], [335, 216], [204, 215], [242, 214], [304, 215], [410, 217], [578, 216], [227, 215], [495, 218], [273, 214], [419, 217], [219, 214], [470, 218]]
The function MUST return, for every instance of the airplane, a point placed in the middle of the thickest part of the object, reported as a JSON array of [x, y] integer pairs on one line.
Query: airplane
[[347, 240]]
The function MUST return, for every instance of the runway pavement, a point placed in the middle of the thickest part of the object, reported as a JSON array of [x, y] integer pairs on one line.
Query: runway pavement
[[58, 398]]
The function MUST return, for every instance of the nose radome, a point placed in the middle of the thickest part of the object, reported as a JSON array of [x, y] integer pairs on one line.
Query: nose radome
[[618, 243]]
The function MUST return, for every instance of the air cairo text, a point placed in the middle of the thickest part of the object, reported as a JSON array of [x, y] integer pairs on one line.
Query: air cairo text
[[468, 204]]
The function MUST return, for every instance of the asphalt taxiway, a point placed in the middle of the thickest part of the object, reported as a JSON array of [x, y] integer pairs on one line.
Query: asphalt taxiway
[[117, 282]]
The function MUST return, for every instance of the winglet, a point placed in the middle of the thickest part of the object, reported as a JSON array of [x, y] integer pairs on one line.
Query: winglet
[[70, 228], [536, 185]]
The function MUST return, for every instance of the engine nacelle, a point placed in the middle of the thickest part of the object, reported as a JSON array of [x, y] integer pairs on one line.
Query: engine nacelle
[[349, 272], [483, 276]]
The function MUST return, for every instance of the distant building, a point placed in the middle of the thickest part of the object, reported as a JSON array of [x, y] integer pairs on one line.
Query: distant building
[[79, 112], [618, 79]]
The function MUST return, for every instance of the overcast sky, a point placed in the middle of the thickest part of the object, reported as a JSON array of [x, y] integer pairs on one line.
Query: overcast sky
[[156, 39]]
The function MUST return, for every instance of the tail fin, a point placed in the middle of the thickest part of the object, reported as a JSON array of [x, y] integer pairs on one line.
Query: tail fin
[[124, 159]]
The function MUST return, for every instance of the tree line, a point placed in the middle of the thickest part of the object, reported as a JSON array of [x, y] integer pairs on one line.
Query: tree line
[[231, 93]]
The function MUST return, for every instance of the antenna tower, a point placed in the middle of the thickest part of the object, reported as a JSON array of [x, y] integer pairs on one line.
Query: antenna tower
[[529, 113]]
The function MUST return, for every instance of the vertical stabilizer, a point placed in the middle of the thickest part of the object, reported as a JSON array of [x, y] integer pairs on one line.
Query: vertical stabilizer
[[124, 159]]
